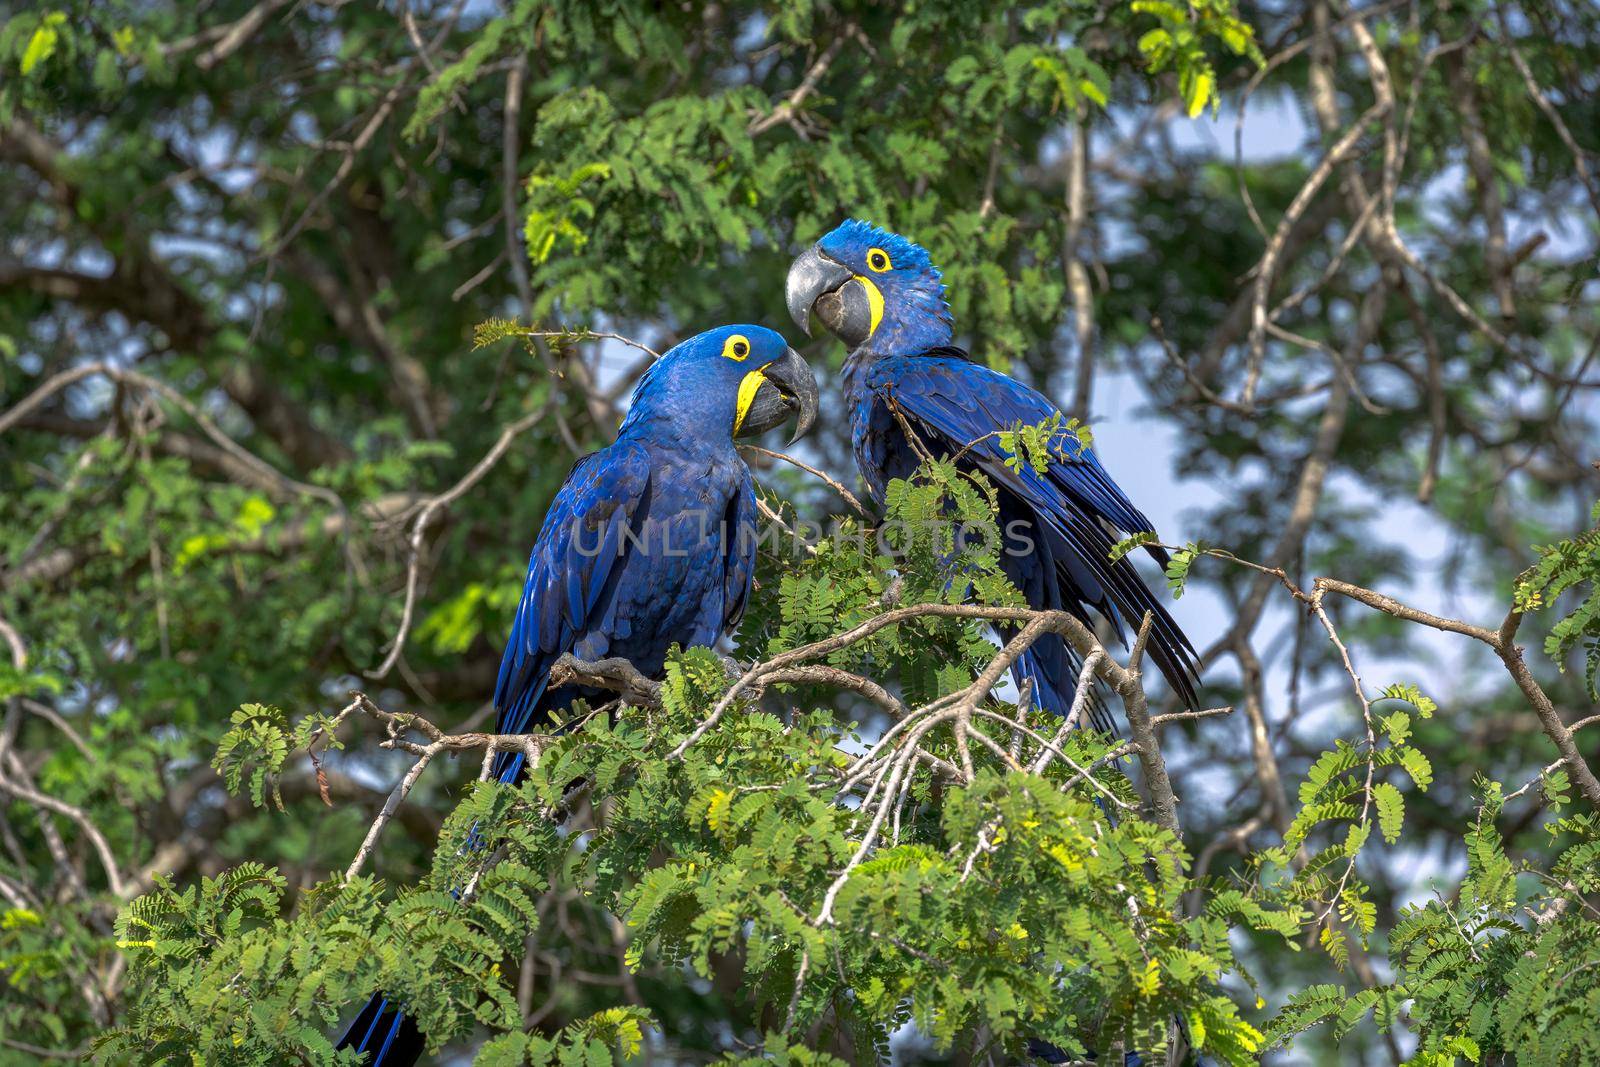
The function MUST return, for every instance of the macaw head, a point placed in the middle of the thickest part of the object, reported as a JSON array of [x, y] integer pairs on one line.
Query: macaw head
[[874, 290], [734, 380]]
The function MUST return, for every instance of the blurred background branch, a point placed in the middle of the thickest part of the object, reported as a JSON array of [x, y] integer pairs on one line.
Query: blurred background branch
[[248, 449]]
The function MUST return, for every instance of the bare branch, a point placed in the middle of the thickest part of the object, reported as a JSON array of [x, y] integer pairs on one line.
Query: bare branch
[[510, 181], [832, 483], [790, 107], [1504, 645], [530, 745], [18, 783], [1580, 158], [1072, 256], [124, 375], [426, 516], [225, 39], [1343, 149], [1140, 728]]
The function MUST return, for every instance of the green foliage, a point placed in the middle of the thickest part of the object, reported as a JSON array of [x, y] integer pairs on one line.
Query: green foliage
[[42, 43], [734, 852], [603, 1038], [225, 977], [1179, 42], [558, 208], [258, 746], [452, 626], [753, 850], [1313, 873], [1335, 1005], [1178, 566], [43, 952], [1568, 565], [295, 223], [1056, 439], [1413, 696], [1131, 542], [1499, 971], [611, 150]]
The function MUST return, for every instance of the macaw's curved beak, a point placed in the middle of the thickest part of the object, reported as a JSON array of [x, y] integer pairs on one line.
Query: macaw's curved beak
[[780, 389], [817, 282]]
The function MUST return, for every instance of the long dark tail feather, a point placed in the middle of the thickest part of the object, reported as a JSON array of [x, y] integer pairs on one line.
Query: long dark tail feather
[[1045, 1052], [383, 1029], [1129, 599], [1076, 550], [386, 1033], [1052, 667]]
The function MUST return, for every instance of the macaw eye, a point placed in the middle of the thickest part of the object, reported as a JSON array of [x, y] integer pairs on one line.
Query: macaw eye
[[878, 260], [736, 347]]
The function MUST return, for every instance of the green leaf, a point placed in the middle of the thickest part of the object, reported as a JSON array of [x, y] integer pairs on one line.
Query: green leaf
[[1200, 92], [1391, 810], [42, 45]]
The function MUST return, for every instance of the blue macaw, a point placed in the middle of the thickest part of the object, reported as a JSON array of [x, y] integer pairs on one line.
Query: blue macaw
[[881, 294], [673, 482]]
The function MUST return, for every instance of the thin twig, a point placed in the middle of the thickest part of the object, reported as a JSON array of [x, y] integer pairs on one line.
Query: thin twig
[[420, 527], [1502, 641], [790, 107], [830, 482], [1579, 157]]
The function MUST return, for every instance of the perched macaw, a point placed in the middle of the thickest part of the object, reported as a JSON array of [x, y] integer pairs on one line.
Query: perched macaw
[[881, 294], [674, 482]]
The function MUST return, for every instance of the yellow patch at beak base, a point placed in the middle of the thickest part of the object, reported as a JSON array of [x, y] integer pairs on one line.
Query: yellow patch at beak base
[[749, 385], [874, 302]]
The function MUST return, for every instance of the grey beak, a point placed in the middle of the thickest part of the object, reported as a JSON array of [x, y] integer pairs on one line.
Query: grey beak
[[789, 388], [812, 275]]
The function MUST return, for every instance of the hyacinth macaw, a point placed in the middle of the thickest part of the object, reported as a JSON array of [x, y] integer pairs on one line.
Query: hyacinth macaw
[[674, 483], [881, 294]]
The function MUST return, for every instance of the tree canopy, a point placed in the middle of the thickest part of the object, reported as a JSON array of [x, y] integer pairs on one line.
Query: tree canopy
[[307, 308]]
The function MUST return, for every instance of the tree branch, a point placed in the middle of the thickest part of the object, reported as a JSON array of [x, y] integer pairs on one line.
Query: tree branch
[[1504, 645]]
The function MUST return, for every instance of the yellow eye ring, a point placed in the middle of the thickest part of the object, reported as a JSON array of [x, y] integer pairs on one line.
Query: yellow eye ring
[[736, 347], [878, 260]]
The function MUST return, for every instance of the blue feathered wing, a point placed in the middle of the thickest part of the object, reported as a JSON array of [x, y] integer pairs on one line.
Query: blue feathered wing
[[569, 573], [1074, 508], [579, 549]]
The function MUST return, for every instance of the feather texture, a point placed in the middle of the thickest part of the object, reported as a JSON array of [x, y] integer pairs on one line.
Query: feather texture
[[649, 543], [1072, 512]]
